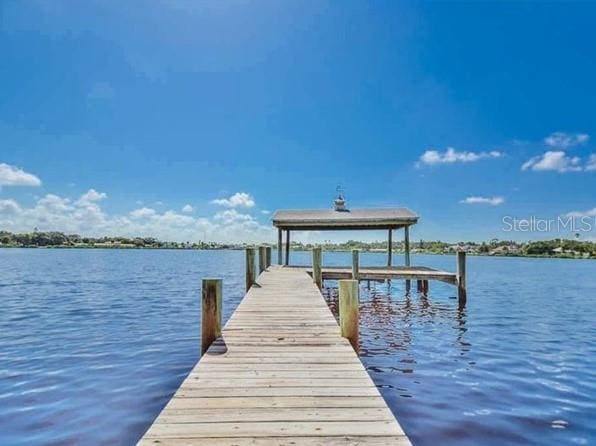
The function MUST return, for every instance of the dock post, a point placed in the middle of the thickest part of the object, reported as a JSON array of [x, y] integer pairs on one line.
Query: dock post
[[268, 256], [461, 277], [425, 287], [348, 311], [355, 265], [262, 259], [250, 267], [211, 303], [419, 286], [317, 266], [279, 247]]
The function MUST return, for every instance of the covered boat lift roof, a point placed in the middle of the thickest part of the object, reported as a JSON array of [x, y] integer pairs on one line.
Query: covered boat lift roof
[[352, 219], [341, 218]]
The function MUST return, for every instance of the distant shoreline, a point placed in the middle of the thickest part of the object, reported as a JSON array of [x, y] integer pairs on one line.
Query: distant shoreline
[[295, 249]]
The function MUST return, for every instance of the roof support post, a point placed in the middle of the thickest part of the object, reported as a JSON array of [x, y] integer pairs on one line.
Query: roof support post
[[407, 253], [279, 246], [287, 247], [407, 245], [389, 247]]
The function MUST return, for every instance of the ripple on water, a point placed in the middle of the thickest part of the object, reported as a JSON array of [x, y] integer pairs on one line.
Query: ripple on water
[[95, 342]]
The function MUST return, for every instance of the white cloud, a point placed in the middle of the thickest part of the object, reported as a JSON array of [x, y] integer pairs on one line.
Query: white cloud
[[232, 216], [553, 161], [85, 216], [265, 212], [588, 213], [92, 196], [239, 199], [563, 141], [187, 209], [493, 201], [143, 213], [9, 207], [15, 176], [591, 165], [450, 156]]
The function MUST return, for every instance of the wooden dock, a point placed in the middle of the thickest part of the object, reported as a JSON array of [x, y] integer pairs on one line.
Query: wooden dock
[[387, 272], [280, 374]]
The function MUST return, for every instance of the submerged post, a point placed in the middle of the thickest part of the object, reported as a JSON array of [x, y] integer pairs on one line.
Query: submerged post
[[279, 247], [267, 256], [211, 312], [250, 267], [317, 266], [461, 277], [348, 311], [262, 259], [355, 265]]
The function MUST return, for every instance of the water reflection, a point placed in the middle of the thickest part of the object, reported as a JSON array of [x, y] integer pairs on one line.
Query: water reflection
[[388, 312]]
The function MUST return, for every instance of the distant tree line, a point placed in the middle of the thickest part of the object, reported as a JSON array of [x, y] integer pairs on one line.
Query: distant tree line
[[59, 239], [495, 247]]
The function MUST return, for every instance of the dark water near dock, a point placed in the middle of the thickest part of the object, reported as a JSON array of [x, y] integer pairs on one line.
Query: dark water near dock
[[93, 343]]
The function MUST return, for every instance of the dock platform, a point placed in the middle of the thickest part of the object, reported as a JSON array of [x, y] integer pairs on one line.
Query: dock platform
[[387, 272], [280, 374]]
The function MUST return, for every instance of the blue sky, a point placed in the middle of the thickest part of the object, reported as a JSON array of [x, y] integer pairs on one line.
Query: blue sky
[[116, 117]]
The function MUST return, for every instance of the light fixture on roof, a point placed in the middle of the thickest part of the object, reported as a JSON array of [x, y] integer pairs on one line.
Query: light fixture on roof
[[339, 203]]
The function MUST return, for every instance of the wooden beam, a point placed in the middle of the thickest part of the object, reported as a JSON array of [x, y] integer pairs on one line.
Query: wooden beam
[[211, 312], [279, 247], [268, 256], [250, 267], [389, 247], [287, 247], [317, 267], [262, 259], [355, 264], [461, 278], [348, 311]]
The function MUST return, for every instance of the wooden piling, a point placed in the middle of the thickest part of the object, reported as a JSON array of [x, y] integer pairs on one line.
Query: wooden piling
[[211, 312], [262, 259], [355, 264], [317, 266], [461, 277], [250, 267], [348, 311], [268, 256], [419, 286], [425, 287]]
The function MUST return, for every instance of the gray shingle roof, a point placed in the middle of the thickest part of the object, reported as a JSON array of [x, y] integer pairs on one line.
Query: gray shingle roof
[[363, 218]]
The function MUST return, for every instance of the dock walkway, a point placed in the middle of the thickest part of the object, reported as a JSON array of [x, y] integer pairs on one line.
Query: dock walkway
[[281, 374]]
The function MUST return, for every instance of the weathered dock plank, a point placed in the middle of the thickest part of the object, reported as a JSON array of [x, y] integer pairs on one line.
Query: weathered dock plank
[[280, 374]]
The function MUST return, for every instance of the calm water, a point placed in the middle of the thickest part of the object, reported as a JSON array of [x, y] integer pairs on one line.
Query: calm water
[[94, 342]]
